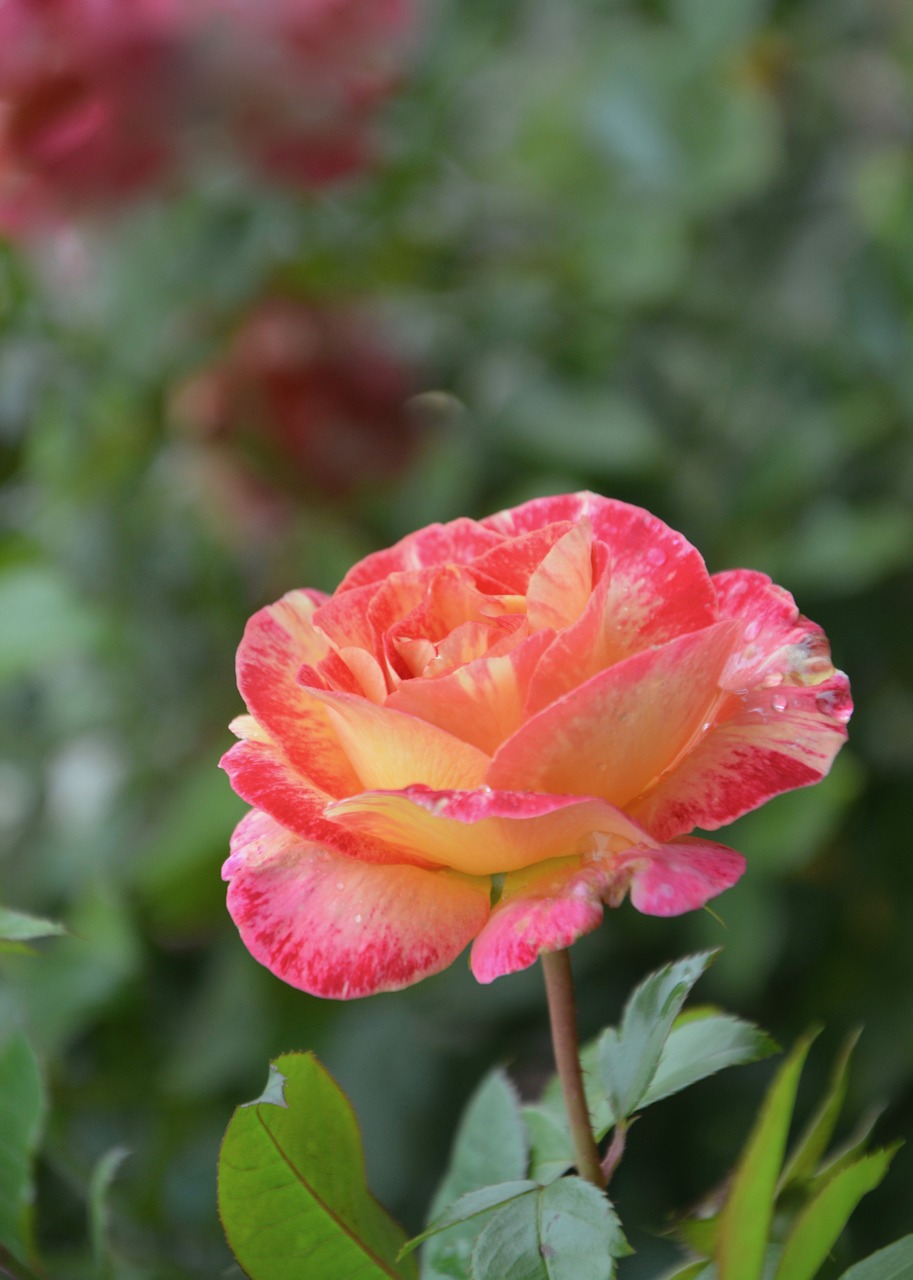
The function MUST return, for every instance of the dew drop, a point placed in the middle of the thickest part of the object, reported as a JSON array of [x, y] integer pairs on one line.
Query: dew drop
[[358, 918], [829, 704], [779, 702], [656, 556], [772, 679]]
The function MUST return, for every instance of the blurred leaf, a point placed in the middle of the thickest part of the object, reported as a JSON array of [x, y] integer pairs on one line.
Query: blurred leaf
[[292, 1189], [175, 872], [746, 1217], [846, 1154], [892, 1263], [566, 1231], [803, 1159], [82, 972], [629, 1056], [490, 1147], [17, 926], [103, 1176], [42, 620], [821, 1222], [22, 1110]]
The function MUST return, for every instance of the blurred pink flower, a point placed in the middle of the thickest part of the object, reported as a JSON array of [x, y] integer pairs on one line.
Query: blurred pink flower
[[493, 729]]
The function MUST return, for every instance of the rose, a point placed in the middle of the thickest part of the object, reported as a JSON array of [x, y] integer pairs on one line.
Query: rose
[[298, 82], [307, 398], [87, 98], [491, 730]]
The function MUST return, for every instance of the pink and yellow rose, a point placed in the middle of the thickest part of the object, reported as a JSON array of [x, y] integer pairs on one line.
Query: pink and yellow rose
[[495, 728]]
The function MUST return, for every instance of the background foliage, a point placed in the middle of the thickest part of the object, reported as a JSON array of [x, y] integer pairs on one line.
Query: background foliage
[[660, 248]]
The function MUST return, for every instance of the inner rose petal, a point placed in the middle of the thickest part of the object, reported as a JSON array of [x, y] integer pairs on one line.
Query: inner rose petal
[[624, 728], [388, 749], [484, 832]]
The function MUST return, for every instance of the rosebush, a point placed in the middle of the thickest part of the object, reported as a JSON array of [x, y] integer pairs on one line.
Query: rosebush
[[493, 729]]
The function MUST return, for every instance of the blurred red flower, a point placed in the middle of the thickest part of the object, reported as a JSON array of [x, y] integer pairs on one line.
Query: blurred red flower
[[88, 103], [99, 99], [308, 399]]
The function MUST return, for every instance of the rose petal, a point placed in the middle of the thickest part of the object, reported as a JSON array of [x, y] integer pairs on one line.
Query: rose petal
[[771, 741], [262, 776], [560, 587], [619, 731], [680, 877], [481, 702], [485, 832], [458, 542], [340, 928], [548, 908], [277, 641], [389, 750], [513, 561], [777, 640]]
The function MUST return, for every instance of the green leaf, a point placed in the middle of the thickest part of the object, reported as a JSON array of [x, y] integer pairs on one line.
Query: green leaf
[[22, 1109], [820, 1223], [700, 1044], [629, 1056], [566, 1231], [292, 1191], [848, 1154], [551, 1145], [746, 1216], [803, 1160], [471, 1206], [892, 1263], [103, 1176], [16, 926], [491, 1146]]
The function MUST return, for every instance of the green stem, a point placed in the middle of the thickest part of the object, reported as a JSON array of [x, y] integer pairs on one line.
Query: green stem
[[559, 987]]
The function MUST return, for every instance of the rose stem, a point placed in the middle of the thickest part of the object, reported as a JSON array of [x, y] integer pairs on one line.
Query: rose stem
[[559, 987]]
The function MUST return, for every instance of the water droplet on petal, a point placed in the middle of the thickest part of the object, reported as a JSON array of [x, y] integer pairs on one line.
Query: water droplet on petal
[[830, 704], [772, 679], [656, 556], [779, 702], [358, 918]]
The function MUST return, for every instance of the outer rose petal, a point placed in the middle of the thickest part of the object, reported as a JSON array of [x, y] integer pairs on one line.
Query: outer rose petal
[[781, 731], [340, 928], [391, 750], [260, 774], [550, 907], [458, 542], [780, 738], [619, 731], [485, 832], [277, 641]]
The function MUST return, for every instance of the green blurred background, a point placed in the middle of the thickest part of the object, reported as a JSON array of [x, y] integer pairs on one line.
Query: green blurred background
[[659, 248]]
